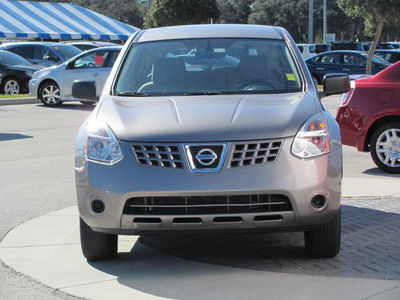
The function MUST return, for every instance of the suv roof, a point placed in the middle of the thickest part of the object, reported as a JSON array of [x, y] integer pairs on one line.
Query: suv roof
[[212, 31]]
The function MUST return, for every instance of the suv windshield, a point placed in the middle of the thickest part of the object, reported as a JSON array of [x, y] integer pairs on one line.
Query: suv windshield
[[11, 59], [67, 51], [208, 66]]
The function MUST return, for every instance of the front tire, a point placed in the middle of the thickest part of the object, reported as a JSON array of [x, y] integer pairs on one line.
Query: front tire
[[12, 86], [324, 241], [96, 245], [385, 147], [50, 95]]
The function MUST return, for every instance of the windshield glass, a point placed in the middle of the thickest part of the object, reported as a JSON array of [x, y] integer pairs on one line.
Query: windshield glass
[[11, 59], [68, 51], [207, 66]]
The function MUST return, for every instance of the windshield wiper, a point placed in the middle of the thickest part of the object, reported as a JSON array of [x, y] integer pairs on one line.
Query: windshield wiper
[[204, 93], [133, 94]]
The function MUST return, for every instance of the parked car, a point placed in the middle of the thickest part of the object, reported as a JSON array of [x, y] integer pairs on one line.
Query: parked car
[[396, 45], [87, 45], [388, 46], [306, 50], [319, 48], [349, 62], [15, 72], [173, 148], [42, 53], [369, 118], [347, 46], [391, 56], [53, 85]]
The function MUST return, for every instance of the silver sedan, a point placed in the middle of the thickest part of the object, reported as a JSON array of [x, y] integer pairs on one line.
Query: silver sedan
[[53, 85]]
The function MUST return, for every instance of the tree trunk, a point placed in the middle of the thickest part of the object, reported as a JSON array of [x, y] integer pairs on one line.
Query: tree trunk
[[374, 44]]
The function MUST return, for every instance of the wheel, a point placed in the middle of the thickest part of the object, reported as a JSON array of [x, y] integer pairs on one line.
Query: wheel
[[324, 241], [97, 245], [261, 86], [12, 86], [315, 80], [385, 147], [50, 94]]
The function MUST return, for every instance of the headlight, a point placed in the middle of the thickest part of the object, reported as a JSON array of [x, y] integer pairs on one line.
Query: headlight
[[101, 144], [313, 138]]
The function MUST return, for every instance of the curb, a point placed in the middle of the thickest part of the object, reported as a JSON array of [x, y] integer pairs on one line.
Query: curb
[[12, 101]]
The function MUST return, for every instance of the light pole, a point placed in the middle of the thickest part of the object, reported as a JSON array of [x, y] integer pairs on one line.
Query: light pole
[[325, 23], [310, 21]]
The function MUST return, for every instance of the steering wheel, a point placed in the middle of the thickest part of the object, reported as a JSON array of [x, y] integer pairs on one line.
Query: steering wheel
[[91, 65], [261, 86]]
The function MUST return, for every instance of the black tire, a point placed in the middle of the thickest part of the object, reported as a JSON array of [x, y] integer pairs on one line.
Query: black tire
[[88, 103], [96, 245], [387, 160], [324, 241], [50, 95], [12, 86]]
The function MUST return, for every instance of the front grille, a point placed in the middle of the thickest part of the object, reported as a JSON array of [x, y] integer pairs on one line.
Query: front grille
[[247, 154], [167, 156], [206, 205]]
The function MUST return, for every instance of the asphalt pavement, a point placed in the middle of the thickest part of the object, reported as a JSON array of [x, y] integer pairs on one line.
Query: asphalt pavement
[[41, 255]]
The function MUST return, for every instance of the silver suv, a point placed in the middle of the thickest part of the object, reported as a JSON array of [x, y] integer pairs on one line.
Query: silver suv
[[205, 128]]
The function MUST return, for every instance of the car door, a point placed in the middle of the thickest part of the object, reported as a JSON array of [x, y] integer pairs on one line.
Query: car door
[[326, 63], [354, 63], [90, 67]]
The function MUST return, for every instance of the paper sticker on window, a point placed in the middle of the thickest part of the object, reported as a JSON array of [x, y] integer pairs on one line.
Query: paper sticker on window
[[98, 60], [290, 77]]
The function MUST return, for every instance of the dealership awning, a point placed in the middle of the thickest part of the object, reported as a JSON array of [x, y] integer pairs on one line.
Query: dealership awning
[[58, 21]]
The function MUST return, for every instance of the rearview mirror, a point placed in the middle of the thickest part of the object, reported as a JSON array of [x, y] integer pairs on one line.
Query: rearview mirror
[[336, 83], [84, 90]]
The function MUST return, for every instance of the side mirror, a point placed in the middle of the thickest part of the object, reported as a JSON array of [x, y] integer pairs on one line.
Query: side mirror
[[336, 83], [70, 65], [84, 90]]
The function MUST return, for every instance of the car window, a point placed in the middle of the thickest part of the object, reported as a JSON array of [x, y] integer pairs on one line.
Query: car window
[[204, 65], [112, 57], [301, 48], [44, 53], [67, 51], [355, 60], [91, 60], [328, 59], [24, 51]]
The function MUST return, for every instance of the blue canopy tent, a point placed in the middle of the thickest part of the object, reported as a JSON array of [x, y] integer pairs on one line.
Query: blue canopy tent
[[58, 21]]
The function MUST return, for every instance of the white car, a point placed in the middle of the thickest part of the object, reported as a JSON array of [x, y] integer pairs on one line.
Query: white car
[[53, 85], [307, 50]]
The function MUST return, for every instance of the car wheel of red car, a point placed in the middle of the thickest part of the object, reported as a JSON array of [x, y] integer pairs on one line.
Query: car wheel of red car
[[385, 147]]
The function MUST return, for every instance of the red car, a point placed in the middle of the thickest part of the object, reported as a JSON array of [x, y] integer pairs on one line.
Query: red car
[[369, 117]]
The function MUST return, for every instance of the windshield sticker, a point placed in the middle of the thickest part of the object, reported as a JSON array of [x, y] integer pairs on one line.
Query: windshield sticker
[[290, 77]]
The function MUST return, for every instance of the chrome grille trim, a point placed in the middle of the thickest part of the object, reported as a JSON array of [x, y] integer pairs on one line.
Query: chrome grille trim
[[253, 153], [204, 205], [167, 156]]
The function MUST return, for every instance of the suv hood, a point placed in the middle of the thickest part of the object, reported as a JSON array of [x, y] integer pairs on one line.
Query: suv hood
[[206, 118]]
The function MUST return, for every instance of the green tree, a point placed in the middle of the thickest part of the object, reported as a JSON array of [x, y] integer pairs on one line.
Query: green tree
[[292, 15], [376, 14], [234, 11], [181, 12]]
